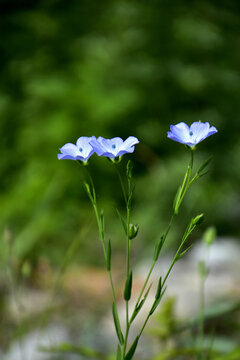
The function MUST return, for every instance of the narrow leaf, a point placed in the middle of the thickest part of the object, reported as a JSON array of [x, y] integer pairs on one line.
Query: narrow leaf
[[117, 323], [88, 191], [140, 304], [158, 247], [119, 353], [156, 302], [132, 349], [129, 170], [180, 192], [204, 165], [154, 306], [203, 174], [176, 200], [128, 287], [109, 254], [183, 253], [124, 224], [129, 202], [159, 288], [102, 223]]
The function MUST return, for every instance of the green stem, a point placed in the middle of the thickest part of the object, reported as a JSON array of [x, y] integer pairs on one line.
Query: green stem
[[185, 185], [128, 246], [201, 318], [101, 234], [152, 266], [163, 283], [190, 167], [121, 183]]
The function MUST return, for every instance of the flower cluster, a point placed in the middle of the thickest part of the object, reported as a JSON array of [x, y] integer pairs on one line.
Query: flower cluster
[[86, 146], [116, 147]]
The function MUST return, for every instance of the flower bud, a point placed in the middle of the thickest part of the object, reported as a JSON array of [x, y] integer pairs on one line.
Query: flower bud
[[133, 231], [209, 235], [198, 219]]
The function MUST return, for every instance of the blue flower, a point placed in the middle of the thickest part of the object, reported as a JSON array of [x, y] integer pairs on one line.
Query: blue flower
[[115, 147], [192, 135], [81, 151]]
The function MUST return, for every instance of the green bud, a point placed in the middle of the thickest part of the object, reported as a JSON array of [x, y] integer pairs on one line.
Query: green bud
[[133, 231], [198, 219], [209, 235], [128, 287]]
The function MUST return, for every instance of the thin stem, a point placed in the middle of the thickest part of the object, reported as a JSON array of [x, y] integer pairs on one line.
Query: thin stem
[[172, 264], [188, 180], [101, 233], [152, 266], [163, 283], [128, 246], [201, 316], [121, 183], [185, 185]]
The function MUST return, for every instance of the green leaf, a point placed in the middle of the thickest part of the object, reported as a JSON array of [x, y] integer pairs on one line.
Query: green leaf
[[124, 223], [102, 223], [156, 302], [128, 287], [109, 254], [119, 353], [117, 323], [176, 200], [88, 191], [198, 219], [130, 197], [129, 170], [159, 288], [183, 253], [140, 304], [204, 165], [158, 247], [132, 349]]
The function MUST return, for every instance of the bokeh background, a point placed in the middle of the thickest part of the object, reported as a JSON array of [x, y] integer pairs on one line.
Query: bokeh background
[[112, 68]]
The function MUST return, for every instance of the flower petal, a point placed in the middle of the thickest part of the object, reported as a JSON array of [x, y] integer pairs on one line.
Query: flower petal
[[197, 132], [84, 146], [129, 142]]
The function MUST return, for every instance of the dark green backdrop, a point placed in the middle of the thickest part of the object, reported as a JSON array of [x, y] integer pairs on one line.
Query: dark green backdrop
[[115, 68]]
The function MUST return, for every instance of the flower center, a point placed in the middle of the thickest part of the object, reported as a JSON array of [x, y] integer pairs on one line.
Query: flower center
[[113, 146], [80, 149], [191, 133]]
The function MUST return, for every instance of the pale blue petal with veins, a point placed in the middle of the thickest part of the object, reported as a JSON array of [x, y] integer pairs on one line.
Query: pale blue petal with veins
[[192, 135], [114, 147], [81, 151]]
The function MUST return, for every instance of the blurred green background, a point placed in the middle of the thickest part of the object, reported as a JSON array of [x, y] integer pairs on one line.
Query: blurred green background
[[114, 68]]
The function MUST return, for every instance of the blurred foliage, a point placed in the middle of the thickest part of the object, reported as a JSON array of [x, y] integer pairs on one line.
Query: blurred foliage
[[114, 68], [179, 340]]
